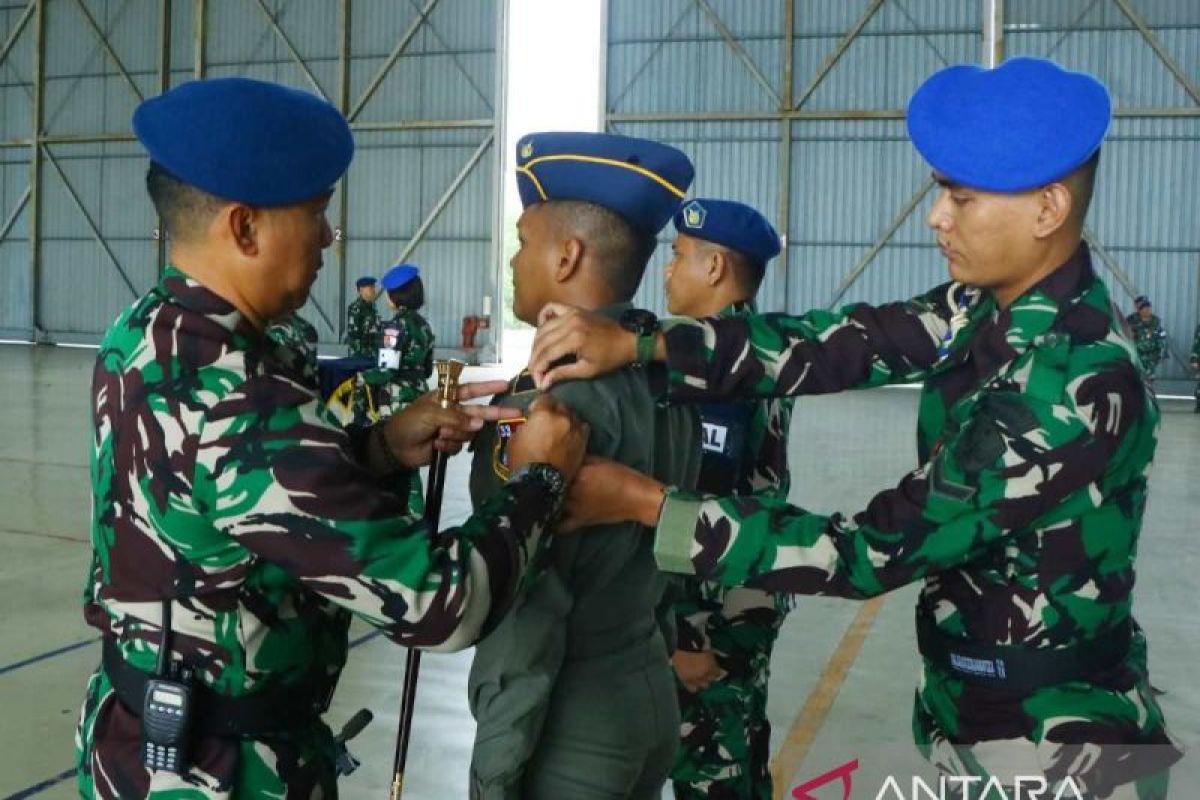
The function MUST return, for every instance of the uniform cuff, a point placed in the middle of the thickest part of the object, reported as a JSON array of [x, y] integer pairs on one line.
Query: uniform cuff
[[675, 534]]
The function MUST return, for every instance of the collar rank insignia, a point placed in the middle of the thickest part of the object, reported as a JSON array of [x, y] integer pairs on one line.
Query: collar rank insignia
[[505, 430]]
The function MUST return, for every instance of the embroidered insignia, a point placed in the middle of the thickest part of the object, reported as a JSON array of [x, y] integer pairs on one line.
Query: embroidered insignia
[[505, 429]]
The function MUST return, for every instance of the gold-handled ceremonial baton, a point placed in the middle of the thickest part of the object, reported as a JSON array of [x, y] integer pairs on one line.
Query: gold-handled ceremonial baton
[[448, 372]]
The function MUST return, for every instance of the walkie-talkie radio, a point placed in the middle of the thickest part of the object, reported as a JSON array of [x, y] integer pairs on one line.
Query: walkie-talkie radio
[[167, 709]]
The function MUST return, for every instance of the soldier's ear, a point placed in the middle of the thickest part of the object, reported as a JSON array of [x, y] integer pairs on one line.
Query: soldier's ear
[[718, 267], [242, 228], [570, 258], [1054, 209]]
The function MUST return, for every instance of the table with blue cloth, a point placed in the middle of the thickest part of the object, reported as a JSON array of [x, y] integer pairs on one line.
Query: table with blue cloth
[[333, 372]]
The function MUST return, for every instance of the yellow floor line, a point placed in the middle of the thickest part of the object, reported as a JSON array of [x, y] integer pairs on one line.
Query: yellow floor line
[[808, 722]]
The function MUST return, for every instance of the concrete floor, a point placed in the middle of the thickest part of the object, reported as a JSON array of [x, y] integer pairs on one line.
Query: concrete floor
[[843, 672]]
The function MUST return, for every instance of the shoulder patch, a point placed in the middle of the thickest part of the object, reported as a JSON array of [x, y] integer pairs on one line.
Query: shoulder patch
[[505, 430]]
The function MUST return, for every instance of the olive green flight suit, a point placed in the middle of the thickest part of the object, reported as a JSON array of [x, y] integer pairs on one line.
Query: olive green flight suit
[[573, 692]]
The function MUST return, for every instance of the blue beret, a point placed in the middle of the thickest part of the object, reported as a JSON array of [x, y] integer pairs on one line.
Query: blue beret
[[642, 181], [245, 140], [1017, 127], [1141, 301], [364, 281], [399, 275], [730, 224]]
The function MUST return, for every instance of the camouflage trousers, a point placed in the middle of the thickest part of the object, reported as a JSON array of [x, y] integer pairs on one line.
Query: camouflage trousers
[[725, 738]]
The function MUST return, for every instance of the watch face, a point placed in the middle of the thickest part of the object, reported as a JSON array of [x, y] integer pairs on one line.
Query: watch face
[[639, 320]]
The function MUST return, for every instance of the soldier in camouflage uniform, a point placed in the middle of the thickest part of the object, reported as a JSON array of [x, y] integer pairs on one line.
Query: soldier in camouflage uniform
[[725, 636], [362, 321], [411, 337], [573, 693], [228, 511], [1036, 432], [298, 339], [1149, 336], [1195, 365], [404, 362]]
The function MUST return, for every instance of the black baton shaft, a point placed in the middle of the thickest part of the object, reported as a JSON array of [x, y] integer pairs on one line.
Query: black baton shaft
[[412, 664]]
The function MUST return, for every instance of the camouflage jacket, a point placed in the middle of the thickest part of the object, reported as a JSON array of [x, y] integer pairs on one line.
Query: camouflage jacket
[[220, 484], [706, 608], [1035, 436], [416, 346], [1150, 339], [414, 339], [298, 338], [362, 328]]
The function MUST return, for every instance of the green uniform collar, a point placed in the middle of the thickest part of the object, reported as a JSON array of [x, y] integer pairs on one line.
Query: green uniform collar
[[740, 308], [179, 288], [1031, 316]]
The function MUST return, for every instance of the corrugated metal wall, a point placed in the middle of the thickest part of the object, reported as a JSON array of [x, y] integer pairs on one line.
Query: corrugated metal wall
[[16, 95], [831, 156], [420, 89], [1146, 206]]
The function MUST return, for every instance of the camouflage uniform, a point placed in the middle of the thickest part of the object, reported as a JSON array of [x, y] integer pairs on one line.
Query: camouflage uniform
[[1035, 435], [725, 737], [220, 484], [1150, 340], [415, 344], [299, 339], [1195, 364], [362, 328], [380, 392], [573, 693]]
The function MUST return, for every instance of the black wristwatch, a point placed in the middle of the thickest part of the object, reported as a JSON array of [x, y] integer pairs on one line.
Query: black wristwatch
[[645, 325], [545, 474]]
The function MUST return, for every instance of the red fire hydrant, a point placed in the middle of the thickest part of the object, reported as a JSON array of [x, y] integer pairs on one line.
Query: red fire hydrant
[[470, 326]]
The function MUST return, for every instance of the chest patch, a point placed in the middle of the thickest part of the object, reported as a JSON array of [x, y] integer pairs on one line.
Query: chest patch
[[505, 430], [715, 437]]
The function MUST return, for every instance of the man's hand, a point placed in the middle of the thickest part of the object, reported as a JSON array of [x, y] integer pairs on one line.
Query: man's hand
[[598, 343], [605, 492], [414, 432], [552, 435], [696, 671]]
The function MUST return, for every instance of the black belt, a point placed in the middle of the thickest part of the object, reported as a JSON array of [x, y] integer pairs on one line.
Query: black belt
[[1022, 670], [273, 709]]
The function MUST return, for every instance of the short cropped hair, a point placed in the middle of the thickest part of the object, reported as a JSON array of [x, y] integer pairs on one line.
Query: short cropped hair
[[622, 251], [185, 210]]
